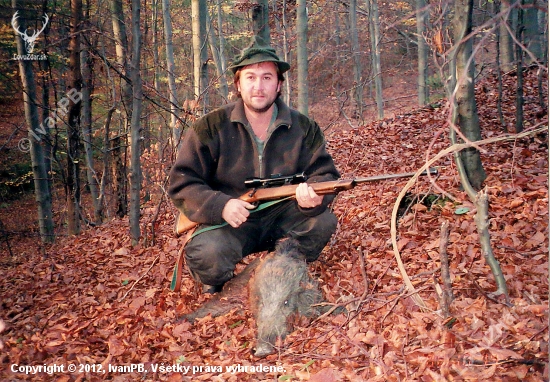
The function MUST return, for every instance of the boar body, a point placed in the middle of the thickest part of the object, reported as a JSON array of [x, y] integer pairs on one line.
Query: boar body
[[280, 289]]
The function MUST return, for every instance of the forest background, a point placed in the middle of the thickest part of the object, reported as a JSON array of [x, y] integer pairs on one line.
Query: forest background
[[96, 95]]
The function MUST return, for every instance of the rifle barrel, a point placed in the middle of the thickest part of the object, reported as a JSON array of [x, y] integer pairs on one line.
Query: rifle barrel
[[431, 171]]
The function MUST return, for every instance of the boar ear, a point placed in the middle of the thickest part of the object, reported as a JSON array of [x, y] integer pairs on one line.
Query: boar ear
[[306, 298]]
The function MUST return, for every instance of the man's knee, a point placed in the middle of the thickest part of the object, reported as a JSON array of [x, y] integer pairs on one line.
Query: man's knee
[[212, 260], [315, 233]]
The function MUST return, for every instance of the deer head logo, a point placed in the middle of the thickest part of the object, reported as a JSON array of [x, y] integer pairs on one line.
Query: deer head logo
[[29, 40]]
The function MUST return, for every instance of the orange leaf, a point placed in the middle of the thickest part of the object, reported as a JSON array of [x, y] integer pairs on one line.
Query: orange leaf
[[516, 203], [536, 240]]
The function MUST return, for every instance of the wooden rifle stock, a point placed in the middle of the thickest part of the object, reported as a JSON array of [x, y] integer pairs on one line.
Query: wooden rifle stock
[[257, 195]]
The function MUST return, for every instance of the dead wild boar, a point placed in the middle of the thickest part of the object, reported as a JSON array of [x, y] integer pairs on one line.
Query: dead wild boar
[[280, 289]]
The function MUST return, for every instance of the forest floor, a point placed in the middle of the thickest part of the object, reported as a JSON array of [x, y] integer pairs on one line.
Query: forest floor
[[97, 303]]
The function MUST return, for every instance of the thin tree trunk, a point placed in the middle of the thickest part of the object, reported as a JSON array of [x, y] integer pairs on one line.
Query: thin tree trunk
[[220, 35], [468, 119], [200, 54], [337, 43], [47, 143], [506, 41], [532, 30], [423, 91], [121, 44], [73, 128], [119, 143], [377, 69], [301, 53], [86, 119], [135, 158], [223, 88], [519, 71], [496, 8], [105, 177], [286, 55], [357, 67], [541, 70], [171, 66], [40, 176], [155, 42]]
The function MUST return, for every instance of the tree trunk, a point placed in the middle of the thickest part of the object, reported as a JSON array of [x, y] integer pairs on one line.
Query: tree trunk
[[506, 41], [119, 143], [259, 13], [374, 25], [155, 42], [468, 119], [200, 53], [86, 120], [220, 72], [544, 61], [121, 41], [73, 127], [357, 67], [286, 55], [220, 35], [135, 129], [533, 31], [106, 177], [157, 69], [47, 143], [171, 66], [496, 8], [421, 18], [519, 70], [301, 54], [40, 176]]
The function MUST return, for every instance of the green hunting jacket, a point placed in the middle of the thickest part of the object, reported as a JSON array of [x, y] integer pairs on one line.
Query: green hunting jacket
[[219, 152]]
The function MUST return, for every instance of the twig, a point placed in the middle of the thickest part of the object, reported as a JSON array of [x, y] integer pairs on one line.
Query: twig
[[447, 295], [454, 148], [521, 361], [396, 300], [363, 269], [487, 296], [481, 218], [520, 253], [138, 280], [361, 299], [537, 333]]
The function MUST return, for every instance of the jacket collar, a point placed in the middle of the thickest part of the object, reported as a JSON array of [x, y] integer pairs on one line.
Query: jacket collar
[[283, 115]]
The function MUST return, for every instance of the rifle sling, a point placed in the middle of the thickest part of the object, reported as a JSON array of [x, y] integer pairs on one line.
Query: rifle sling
[[175, 285]]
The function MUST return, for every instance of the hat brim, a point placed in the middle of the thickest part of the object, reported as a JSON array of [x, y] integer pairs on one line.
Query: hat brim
[[283, 65]]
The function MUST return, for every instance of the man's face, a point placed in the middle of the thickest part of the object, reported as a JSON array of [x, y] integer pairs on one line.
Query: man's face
[[259, 85]]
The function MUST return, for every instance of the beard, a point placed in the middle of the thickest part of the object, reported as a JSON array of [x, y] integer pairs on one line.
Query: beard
[[260, 109]]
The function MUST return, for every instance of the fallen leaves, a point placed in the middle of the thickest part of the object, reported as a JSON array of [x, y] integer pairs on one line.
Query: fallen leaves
[[97, 300]]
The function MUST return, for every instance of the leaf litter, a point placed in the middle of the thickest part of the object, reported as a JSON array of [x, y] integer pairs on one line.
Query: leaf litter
[[96, 300]]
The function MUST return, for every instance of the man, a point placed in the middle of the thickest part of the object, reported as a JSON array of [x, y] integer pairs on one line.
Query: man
[[257, 136]]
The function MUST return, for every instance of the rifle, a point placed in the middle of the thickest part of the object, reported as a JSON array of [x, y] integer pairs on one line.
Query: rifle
[[271, 189]]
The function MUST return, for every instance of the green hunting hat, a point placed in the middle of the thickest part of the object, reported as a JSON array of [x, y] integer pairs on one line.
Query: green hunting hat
[[255, 53]]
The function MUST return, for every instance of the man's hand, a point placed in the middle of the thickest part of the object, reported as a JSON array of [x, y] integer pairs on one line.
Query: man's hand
[[236, 212], [306, 197]]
